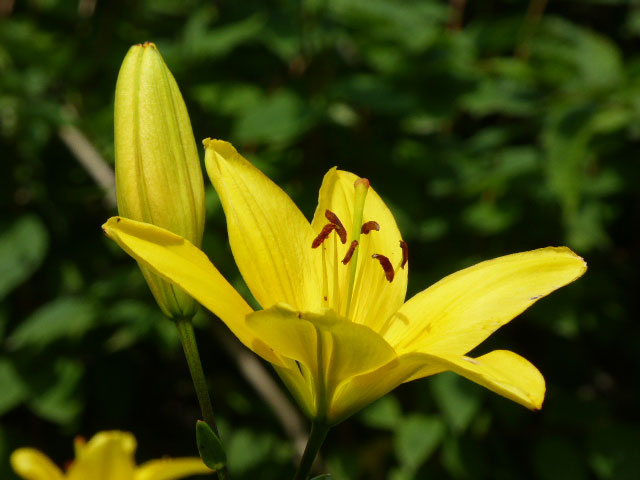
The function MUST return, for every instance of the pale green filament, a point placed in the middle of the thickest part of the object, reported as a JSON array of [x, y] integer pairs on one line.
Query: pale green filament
[[361, 187]]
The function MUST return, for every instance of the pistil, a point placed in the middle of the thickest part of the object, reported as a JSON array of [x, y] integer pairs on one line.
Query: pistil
[[361, 187]]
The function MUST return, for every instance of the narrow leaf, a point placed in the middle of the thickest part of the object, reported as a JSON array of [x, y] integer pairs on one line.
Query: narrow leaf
[[210, 446]]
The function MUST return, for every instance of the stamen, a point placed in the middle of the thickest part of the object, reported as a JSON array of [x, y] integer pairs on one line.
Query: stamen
[[325, 275], [352, 248], [368, 226], [340, 230], [323, 235], [386, 266], [405, 252]]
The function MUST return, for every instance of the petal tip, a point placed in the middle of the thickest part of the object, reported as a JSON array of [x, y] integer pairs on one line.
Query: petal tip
[[108, 225], [221, 147], [577, 257]]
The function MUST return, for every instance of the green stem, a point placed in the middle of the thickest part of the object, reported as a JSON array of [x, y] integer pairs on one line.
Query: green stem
[[190, 347], [316, 438]]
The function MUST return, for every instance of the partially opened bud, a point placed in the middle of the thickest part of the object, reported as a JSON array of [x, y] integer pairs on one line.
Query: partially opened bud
[[158, 173]]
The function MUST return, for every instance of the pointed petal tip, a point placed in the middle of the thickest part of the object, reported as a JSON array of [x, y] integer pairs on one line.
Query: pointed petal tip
[[107, 227], [222, 147], [567, 251]]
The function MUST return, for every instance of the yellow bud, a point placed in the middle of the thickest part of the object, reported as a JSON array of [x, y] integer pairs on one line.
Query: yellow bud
[[158, 173]]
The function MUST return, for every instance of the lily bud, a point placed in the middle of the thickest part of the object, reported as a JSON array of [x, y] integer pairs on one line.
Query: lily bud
[[158, 173]]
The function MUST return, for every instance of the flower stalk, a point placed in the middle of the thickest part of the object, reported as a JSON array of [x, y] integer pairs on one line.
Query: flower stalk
[[316, 439], [190, 347]]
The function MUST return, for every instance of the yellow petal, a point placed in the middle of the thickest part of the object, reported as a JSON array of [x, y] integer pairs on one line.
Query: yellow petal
[[501, 371], [361, 390], [330, 347], [269, 236], [300, 383], [374, 299], [171, 469], [107, 456], [178, 261], [461, 310], [31, 464]]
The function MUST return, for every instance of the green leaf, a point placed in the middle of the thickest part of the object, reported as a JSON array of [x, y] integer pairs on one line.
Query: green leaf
[[22, 249], [279, 118], [13, 390], [61, 403], [203, 41], [62, 318], [210, 446], [384, 413], [457, 398], [574, 57], [323, 476], [416, 438], [488, 218], [248, 449]]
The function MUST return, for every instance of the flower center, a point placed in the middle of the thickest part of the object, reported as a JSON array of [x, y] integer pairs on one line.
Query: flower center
[[342, 279]]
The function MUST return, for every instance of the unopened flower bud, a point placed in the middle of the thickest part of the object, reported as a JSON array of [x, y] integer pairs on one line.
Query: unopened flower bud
[[158, 173]]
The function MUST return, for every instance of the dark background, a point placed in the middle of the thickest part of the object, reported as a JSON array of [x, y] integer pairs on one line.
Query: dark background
[[491, 129]]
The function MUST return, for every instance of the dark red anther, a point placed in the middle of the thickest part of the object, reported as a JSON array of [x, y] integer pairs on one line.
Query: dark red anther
[[405, 252], [333, 218], [386, 266], [323, 235], [352, 248], [368, 226], [340, 230]]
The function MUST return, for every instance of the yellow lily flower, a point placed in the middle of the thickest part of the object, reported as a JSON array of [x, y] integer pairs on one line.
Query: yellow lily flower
[[334, 322], [107, 456]]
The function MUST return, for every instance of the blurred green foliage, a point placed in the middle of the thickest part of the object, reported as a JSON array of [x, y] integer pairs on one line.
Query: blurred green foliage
[[496, 129]]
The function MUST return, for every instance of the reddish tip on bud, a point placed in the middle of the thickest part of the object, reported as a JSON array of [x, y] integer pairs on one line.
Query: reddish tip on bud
[[368, 226], [386, 266], [405, 252], [362, 181], [352, 248]]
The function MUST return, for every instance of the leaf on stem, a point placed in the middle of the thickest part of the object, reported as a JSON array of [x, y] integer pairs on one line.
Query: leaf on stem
[[210, 446]]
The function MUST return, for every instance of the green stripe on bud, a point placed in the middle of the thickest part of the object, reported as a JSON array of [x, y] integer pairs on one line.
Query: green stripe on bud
[[158, 174]]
